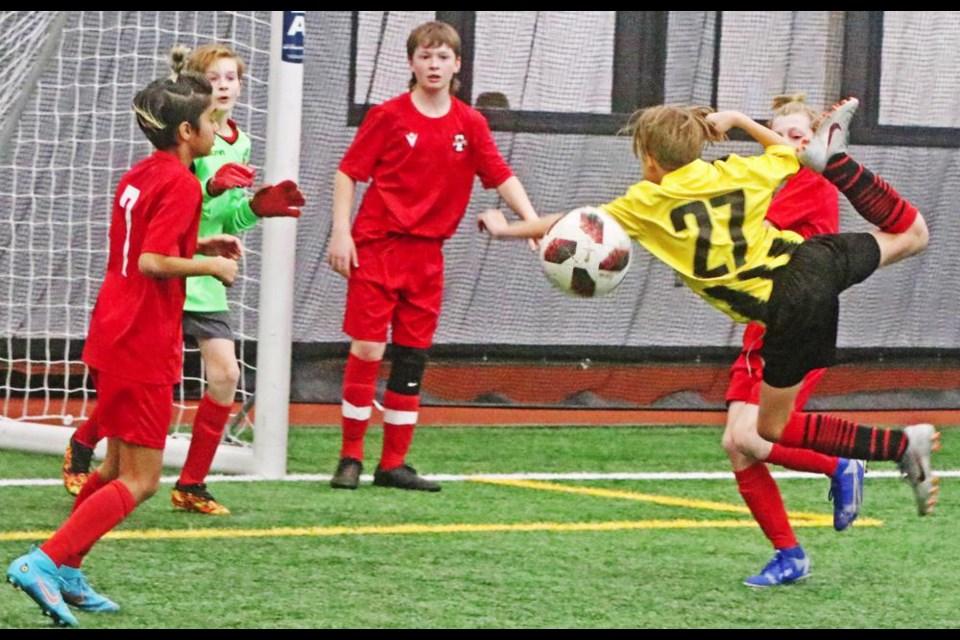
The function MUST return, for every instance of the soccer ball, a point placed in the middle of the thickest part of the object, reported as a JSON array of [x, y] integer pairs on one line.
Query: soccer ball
[[586, 253]]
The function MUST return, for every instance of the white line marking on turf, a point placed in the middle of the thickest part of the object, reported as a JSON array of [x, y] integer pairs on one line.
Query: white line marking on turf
[[441, 477]]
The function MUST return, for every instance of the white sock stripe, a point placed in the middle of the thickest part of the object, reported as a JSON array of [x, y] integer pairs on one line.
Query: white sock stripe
[[392, 416], [354, 412]]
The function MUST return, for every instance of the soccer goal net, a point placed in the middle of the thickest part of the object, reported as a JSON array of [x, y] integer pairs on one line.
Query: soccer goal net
[[66, 136]]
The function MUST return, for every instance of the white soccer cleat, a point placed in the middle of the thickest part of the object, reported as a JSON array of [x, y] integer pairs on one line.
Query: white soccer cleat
[[831, 136], [922, 440]]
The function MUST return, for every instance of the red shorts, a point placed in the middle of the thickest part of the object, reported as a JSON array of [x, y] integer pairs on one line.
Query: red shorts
[[399, 284], [133, 412], [746, 374]]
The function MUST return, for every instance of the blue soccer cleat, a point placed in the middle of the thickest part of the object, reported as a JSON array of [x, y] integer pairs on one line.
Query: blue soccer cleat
[[788, 566], [36, 574], [77, 592], [846, 491]]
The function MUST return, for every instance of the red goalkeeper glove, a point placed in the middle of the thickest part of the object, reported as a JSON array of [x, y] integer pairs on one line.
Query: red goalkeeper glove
[[230, 176], [278, 200]]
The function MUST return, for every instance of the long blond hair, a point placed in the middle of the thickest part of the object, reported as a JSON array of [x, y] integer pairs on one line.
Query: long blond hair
[[672, 135]]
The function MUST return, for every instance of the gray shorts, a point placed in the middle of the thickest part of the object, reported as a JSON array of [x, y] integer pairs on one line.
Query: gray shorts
[[204, 326]]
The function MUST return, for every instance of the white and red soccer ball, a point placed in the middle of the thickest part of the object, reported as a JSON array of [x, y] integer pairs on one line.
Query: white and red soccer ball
[[586, 253]]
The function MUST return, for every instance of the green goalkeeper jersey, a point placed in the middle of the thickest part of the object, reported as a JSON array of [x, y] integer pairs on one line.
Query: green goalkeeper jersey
[[227, 213]]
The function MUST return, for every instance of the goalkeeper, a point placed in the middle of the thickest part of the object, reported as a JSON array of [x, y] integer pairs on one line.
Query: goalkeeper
[[226, 209]]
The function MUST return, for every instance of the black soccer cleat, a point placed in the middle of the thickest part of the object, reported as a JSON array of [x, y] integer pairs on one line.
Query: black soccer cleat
[[347, 475], [403, 477]]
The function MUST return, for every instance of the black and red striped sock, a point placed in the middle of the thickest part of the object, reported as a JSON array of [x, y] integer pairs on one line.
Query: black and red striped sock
[[870, 195], [839, 437]]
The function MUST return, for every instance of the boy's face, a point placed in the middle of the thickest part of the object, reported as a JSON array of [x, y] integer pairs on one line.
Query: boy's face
[[795, 128], [201, 139], [224, 77], [434, 67]]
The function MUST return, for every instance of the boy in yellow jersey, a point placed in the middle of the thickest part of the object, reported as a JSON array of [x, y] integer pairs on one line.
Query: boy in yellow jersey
[[705, 220]]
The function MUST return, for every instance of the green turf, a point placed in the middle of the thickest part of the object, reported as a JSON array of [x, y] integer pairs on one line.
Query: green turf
[[898, 575]]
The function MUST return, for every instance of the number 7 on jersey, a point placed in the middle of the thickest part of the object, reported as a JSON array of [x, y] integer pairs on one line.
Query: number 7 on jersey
[[127, 200]]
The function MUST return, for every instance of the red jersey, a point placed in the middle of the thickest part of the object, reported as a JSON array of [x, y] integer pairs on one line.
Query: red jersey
[[422, 168], [135, 330], [807, 204]]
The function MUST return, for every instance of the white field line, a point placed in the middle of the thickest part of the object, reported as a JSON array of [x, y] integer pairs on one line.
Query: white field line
[[556, 477]]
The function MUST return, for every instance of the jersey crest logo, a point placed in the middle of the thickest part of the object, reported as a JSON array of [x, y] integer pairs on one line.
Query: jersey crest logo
[[459, 142], [411, 139]]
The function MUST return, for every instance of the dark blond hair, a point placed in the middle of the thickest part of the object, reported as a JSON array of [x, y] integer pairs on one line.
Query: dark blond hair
[[196, 61], [789, 104], [163, 105], [672, 135], [434, 34]]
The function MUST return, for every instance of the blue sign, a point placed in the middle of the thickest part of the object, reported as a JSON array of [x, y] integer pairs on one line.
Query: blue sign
[[293, 28]]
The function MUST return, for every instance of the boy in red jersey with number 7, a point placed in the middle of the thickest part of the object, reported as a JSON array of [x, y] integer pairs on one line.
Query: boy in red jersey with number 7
[[134, 346], [422, 150]]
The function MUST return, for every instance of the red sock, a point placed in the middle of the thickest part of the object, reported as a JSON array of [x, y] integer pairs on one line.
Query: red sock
[[803, 460], [836, 436], [207, 432], [762, 495], [399, 419], [87, 433], [870, 195], [359, 388], [94, 483], [100, 513]]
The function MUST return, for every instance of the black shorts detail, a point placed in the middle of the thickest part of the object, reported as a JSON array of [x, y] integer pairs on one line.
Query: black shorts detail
[[780, 247], [742, 303], [804, 307], [205, 326]]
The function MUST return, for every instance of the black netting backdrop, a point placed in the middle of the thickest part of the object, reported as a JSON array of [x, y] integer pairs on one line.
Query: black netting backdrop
[[76, 136]]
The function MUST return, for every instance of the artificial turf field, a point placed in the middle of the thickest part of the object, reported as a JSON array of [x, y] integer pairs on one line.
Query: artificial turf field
[[667, 550]]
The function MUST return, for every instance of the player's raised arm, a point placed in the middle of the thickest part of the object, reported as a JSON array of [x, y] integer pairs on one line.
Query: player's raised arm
[[726, 120], [495, 223]]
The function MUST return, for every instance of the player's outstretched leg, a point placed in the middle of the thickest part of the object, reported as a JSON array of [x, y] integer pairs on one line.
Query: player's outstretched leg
[[909, 447]]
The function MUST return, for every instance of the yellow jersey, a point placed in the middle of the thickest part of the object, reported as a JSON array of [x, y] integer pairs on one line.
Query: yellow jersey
[[705, 220]]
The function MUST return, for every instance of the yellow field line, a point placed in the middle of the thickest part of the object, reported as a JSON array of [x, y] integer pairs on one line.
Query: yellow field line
[[415, 529], [670, 501]]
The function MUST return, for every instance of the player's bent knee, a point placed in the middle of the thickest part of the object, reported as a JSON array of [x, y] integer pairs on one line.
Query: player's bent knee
[[920, 234], [896, 247], [368, 351], [768, 431], [406, 370], [225, 375]]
